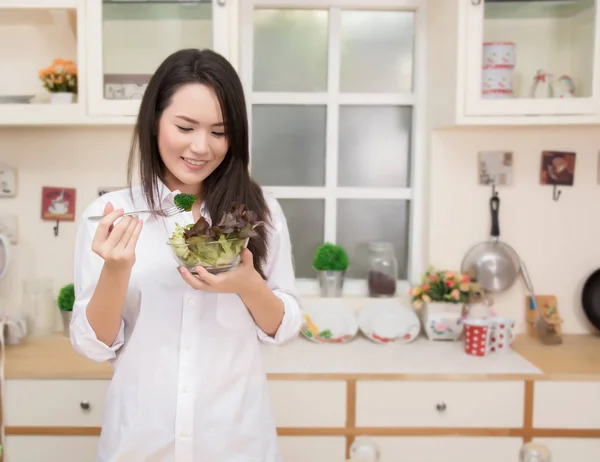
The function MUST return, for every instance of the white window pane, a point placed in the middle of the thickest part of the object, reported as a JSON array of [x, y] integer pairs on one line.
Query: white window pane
[[374, 146], [306, 222], [288, 145], [377, 51], [360, 221], [290, 50]]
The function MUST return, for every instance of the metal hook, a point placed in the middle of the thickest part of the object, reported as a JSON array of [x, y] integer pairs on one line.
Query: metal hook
[[555, 193], [56, 228], [494, 193]]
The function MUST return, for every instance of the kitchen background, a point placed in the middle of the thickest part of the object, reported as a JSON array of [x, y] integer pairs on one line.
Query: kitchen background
[[557, 240]]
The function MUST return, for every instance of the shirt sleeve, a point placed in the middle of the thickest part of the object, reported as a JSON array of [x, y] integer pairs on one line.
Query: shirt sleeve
[[87, 269], [279, 272]]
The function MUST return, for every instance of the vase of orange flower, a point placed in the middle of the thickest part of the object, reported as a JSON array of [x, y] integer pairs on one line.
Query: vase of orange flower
[[60, 79], [441, 299]]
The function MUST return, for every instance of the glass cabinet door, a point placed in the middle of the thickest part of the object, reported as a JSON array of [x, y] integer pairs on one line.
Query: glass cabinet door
[[532, 57], [128, 39]]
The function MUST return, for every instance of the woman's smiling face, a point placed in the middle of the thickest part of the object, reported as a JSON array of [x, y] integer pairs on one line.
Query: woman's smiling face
[[191, 137]]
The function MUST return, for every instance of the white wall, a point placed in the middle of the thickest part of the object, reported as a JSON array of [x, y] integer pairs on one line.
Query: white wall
[[558, 241], [85, 159]]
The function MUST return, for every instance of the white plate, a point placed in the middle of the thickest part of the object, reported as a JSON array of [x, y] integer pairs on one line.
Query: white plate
[[329, 324], [386, 321]]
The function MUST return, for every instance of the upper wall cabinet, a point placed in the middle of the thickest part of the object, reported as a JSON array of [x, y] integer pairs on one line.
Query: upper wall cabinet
[[514, 62], [128, 39]]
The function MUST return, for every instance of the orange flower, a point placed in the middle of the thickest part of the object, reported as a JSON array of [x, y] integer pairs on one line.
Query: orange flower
[[465, 278], [455, 294], [425, 287]]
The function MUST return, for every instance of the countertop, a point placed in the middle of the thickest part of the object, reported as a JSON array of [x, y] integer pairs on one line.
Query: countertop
[[576, 359]]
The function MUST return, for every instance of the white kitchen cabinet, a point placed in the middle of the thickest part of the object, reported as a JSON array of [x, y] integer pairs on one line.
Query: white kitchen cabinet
[[572, 405], [450, 448], [439, 404], [308, 403], [19, 448], [69, 403], [127, 40], [559, 38], [572, 449]]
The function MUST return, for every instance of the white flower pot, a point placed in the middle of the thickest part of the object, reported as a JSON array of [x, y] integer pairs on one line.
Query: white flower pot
[[61, 98], [443, 321]]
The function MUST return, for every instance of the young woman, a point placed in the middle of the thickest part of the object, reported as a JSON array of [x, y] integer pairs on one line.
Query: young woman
[[188, 381]]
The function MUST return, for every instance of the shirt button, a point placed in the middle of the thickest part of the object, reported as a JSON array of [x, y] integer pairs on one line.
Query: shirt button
[[184, 433], [192, 302], [185, 390]]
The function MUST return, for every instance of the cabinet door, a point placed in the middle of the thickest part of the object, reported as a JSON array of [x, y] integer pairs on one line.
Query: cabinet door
[[312, 448], [50, 448], [128, 39], [448, 448], [531, 58], [572, 449]]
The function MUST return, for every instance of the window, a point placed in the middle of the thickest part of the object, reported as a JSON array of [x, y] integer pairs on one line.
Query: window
[[335, 100]]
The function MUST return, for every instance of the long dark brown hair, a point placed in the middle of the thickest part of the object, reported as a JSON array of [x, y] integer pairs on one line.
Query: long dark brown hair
[[231, 180]]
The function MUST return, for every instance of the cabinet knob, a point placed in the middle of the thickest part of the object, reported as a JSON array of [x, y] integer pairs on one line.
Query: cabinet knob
[[221, 2], [441, 407], [85, 405]]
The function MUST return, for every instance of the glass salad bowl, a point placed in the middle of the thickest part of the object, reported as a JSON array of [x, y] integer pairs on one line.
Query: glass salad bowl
[[216, 256]]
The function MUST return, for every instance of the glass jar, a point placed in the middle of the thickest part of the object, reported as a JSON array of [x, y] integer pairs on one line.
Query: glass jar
[[39, 307], [534, 452], [383, 270]]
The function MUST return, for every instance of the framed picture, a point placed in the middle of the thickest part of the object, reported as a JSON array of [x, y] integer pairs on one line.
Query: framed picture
[[495, 167], [58, 204], [557, 168]]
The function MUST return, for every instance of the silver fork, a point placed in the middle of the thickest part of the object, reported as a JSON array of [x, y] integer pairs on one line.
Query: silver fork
[[168, 212]]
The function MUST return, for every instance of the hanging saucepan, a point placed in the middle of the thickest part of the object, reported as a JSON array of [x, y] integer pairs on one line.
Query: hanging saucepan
[[590, 298], [493, 264]]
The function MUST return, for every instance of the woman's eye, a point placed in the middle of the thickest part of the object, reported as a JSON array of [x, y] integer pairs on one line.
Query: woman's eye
[[184, 129], [219, 133]]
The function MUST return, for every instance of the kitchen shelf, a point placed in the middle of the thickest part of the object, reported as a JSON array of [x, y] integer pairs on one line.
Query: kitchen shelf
[[534, 9]]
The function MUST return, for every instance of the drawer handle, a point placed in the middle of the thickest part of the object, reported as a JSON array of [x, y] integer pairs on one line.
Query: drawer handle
[[441, 407], [85, 405]]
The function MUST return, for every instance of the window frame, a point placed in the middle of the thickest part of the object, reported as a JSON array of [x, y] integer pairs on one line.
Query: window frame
[[416, 193]]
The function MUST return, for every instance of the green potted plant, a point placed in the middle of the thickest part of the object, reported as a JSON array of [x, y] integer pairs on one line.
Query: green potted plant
[[331, 262], [65, 302]]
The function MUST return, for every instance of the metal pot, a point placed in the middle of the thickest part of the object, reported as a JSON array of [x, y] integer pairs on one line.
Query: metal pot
[[331, 283], [493, 264]]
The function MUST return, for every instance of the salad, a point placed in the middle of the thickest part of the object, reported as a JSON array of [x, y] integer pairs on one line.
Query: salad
[[200, 244]]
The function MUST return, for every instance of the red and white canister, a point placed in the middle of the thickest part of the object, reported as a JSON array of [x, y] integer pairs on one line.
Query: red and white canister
[[477, 337], [502, 333], [498, 54]]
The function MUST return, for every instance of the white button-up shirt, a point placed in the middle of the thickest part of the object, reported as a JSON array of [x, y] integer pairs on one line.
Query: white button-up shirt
[[188, 382]]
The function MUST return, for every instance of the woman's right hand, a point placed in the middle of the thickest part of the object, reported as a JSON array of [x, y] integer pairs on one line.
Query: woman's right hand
[[116, 243]]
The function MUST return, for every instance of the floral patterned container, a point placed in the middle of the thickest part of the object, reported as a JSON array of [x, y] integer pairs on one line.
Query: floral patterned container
[[443, 320]]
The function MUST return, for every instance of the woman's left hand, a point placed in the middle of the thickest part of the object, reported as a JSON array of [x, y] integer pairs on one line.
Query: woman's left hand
[[235, 281]]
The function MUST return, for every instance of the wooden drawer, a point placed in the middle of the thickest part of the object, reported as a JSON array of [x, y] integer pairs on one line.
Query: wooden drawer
[[448, 448], [312, 448], [566, 405], [50, 448], [440, 404], [308, 403], [54, 402]]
